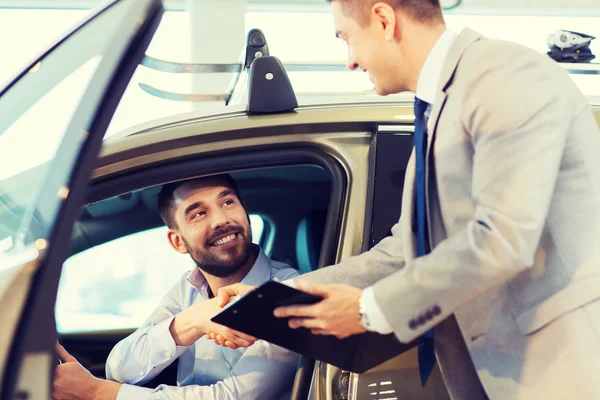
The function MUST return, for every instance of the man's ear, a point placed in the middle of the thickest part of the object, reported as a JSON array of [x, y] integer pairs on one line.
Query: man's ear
[[176, 241], [386, 17]]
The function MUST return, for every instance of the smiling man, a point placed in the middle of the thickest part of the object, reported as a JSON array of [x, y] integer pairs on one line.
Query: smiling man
[[207, 220]]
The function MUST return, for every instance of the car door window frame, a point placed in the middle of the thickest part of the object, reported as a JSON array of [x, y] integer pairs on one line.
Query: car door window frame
[[248, 158], [30, 349]]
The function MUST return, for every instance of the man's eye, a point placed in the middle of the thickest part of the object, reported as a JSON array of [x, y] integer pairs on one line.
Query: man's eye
[[199, 214], [228, 202]]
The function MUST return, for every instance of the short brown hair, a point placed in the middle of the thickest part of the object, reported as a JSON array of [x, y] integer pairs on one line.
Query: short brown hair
[[419, 10], [166, 200]]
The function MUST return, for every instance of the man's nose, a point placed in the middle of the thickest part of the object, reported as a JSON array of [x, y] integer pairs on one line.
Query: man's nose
[[352, 64], [219, 219]]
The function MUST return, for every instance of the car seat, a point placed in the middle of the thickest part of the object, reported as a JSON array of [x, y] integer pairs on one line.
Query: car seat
[[309, 239]]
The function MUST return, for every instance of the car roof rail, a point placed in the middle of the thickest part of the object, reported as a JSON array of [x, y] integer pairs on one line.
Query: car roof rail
[[281, 95], [269, 88], [241, 86]]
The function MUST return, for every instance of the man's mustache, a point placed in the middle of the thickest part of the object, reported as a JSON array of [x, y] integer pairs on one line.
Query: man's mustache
[[223, 232]]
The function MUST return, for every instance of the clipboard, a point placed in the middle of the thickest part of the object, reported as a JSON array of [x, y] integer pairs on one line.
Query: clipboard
[[253, 314]]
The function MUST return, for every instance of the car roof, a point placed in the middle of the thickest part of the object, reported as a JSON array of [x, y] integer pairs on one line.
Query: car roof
[[393, 109], [361, 116], [308, 103]]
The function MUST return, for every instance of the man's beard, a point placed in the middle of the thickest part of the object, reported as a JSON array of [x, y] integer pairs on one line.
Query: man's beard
[[210, 261]]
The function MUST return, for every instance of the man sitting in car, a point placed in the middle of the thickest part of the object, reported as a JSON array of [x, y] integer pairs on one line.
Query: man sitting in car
[[207, 220]]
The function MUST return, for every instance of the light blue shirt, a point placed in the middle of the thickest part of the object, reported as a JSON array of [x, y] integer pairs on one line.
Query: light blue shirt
[[206, 370]]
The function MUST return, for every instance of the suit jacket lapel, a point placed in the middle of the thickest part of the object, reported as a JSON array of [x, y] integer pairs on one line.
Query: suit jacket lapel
[[409, 239], [466, 37]]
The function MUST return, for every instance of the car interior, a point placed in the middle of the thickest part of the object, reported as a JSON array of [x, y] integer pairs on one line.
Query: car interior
[[291, 201]]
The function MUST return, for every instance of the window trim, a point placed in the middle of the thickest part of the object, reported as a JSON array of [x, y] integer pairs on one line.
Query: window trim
[[228, 161]]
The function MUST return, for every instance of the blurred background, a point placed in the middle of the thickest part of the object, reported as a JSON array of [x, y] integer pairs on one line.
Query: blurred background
[[296, 30]]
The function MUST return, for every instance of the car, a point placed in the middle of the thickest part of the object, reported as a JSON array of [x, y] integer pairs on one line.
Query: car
[[79, 259]]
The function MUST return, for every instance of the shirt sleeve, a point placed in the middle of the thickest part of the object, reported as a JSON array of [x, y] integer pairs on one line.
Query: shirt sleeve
[[265, 371], [378, 322], [290, 282], [131, 392], [149, 350]]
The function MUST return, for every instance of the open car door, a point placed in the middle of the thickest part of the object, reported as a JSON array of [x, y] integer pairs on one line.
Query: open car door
[[53, 117]]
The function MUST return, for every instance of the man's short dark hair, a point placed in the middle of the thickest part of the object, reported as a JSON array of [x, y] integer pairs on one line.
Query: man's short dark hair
[[166, 199], [419, 10]]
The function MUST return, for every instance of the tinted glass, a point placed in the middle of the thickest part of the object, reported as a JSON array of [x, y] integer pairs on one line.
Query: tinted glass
[[39, 137]]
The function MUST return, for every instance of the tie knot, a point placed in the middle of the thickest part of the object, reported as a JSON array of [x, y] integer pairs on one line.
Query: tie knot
[[420, 107]]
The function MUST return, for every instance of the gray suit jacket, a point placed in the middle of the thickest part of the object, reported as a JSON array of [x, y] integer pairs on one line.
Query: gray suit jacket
[[514, 214]]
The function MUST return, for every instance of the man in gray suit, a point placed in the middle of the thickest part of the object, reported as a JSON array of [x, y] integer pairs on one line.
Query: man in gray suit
[[508, 178]]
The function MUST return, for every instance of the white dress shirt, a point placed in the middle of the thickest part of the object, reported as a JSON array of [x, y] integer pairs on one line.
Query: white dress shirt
[[427, 86], [205, 370]]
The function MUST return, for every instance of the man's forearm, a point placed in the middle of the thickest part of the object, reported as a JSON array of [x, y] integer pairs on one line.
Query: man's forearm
[[144, 354], [365, 269], [185, 328], [106, 390]]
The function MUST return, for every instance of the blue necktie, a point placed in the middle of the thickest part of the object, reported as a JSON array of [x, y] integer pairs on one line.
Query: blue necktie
[[426, 354]]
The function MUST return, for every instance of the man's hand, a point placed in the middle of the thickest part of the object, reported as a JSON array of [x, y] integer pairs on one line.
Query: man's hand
[[225, 295], [223, 335], [237, 289], [191, 324], [227, 337], [337, 314], [73, 382]]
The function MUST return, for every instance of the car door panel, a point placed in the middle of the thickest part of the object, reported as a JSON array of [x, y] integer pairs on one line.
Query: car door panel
[[47, 215], [15, 282]]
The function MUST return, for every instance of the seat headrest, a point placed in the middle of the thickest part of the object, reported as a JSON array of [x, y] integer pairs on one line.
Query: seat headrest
[[309, 239]]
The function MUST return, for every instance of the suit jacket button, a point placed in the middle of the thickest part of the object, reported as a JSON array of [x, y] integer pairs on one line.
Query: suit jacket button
[[436, 310], [429, 315], [412, 324], [421, 320]]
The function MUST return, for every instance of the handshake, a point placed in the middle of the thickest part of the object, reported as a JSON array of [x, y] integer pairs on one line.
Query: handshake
[[221, 335], [337, 314]]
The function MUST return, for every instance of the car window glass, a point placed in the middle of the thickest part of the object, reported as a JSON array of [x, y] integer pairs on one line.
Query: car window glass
[[36, 142], [118, 284], [36, 132]]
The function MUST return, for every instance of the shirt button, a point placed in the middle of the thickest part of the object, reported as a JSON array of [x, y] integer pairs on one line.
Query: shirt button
[[168, 353], [141, 373]]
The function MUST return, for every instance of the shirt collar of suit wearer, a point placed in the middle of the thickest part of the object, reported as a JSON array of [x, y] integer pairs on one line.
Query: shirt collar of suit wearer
[[258, 274], [429, 78]]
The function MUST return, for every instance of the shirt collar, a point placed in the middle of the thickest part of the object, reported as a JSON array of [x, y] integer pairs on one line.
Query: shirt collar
[[258, 274], [260, 271], [431, 72]]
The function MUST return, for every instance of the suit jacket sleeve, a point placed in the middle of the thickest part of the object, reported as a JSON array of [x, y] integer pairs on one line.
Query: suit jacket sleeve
[[367, 268], [516, 116]]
